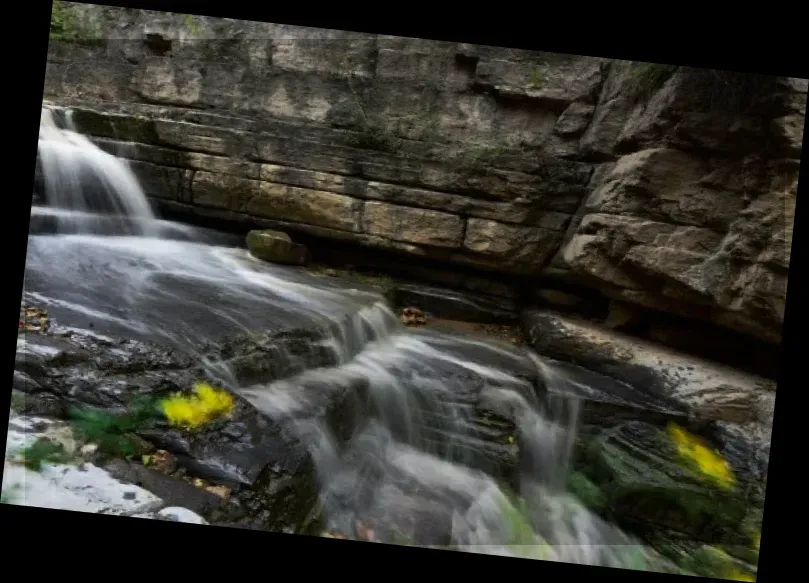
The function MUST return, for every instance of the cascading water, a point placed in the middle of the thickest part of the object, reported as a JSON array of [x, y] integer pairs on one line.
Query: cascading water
[[418, 463], [82, 179]]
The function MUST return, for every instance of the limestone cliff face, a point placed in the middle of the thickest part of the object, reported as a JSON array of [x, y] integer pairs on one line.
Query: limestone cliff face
[[506, 160]]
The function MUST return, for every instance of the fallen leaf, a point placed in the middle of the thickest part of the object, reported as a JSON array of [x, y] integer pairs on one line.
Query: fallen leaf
[[221, 491], [199, 483]]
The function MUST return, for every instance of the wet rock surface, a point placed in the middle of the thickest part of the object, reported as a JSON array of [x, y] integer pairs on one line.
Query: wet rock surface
[[632, 474], [233, 453], [700, 388], [262, 462], [453, 305]]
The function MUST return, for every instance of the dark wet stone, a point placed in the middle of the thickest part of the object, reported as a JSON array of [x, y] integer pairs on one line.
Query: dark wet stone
[[39, 404], [711, 391], [213, 453], [29, 362], [261, 358], [24, 383], [399, 518], [454, 305], [239, 452], [133, 357], [605, 398], [277, 501], [173, 491]]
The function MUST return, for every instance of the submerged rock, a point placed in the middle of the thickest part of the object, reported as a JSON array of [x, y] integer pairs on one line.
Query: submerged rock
[[276, 247]]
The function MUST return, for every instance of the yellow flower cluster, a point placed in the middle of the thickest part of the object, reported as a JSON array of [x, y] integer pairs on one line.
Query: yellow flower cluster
[[206, 404], [709, 462]]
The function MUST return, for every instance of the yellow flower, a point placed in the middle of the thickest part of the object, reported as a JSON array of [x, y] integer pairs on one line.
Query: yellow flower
[[217, 402], [206, 404], [709, 462], [679, 436]]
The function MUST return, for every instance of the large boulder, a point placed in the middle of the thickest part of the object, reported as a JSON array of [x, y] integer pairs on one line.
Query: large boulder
[[703, 389], [276, 247], [634, 475]]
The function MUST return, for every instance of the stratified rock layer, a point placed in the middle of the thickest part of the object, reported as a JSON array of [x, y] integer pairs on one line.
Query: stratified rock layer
[[500, 159]]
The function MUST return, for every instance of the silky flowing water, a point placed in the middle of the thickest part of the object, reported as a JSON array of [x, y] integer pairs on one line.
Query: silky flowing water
[[106, 262]]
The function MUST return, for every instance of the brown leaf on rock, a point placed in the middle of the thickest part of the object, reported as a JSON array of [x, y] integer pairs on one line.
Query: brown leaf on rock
[[221, 491], [413, 317]]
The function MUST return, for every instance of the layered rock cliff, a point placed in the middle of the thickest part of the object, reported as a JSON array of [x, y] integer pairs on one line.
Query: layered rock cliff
[[664, 188]]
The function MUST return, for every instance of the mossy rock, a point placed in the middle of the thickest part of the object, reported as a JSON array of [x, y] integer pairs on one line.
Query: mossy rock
[[647, 487], [587, 491], [276, 247]]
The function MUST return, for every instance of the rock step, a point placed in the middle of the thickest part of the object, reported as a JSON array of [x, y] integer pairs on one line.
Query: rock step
[[700, 388]]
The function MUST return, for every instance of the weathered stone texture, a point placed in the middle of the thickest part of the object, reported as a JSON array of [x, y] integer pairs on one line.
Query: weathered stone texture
[[502, 159]]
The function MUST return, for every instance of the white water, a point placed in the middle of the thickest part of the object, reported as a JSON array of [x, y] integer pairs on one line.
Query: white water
[[417, 446], [80, 177]]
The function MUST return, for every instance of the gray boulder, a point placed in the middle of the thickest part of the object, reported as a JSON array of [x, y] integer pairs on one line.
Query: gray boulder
[[276, 247]]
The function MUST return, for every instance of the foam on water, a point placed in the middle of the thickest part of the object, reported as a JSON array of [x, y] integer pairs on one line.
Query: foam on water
[[416, 440]]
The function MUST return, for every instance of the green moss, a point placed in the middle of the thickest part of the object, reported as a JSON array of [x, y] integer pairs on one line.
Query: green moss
[[381, 282], [586, 491], [17, 400], [535, 78], [67, 28], [192, 24], [114, 433], [44, 451]]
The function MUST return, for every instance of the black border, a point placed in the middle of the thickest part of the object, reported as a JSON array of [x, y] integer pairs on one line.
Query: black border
[[668, 33]]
